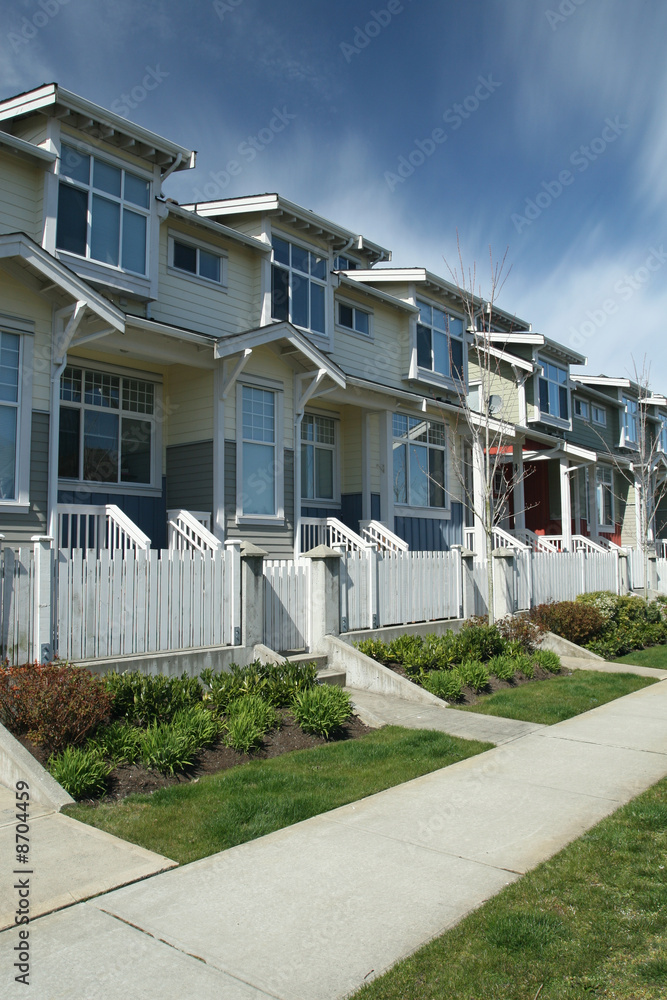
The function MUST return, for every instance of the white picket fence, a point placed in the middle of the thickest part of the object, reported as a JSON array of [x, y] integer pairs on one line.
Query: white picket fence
[[17, 606], [286, 604]]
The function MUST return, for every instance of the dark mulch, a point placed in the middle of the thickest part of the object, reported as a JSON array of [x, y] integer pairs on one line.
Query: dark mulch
[[468, 696], [131, 778]]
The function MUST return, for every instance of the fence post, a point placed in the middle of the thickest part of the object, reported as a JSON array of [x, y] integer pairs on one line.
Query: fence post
[[652, 582], [43, 598], [503, 582], [324, 595], [233, 553], [252, 594], [373, 606], [622, 573], [466, 580]]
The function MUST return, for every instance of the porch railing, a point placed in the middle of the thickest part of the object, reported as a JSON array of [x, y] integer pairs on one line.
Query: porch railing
[[98, 527], [505, 540], [538, 543], [580, 543], [382, 538], [332, 532], [188, 529]]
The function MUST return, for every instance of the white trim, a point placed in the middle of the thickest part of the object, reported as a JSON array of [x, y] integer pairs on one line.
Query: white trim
[[324, 339], [351, 304], [334, 501], [20, 502], [432, 513], [192, 241]]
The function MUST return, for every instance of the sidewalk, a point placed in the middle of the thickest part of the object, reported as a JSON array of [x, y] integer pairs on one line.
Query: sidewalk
[[314, 910]]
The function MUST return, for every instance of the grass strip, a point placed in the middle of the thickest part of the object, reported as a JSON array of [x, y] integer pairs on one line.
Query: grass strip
[[558, 698], [589, 923], [654, 656], [190, 821]]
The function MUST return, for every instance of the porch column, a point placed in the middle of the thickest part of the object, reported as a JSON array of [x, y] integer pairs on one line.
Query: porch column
[[365, 466], [519, 493], [565, 505], [387, 464], [478, 499], [593, 504], [219, 400]]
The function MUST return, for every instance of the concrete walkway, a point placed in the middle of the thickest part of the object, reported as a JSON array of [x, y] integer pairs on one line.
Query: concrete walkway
[[313, 911]]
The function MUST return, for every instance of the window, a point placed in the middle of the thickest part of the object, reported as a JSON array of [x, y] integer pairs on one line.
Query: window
[[196, 260], [581, 409], [439, 341], [419, 462], [630, 421], [663, 434], [553, 391], [102, 211], [107, 428], [587, 498], [258, 459], [604, 493], [298, 286], [345, 264], [10, 364], [599, 415], [318, 445], [353, 318]]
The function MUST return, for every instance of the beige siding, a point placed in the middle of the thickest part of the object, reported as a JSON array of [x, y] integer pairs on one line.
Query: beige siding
[[20, 197], [350, 446], [264, 363], [200, 305], [32, 129], [383, 358], [374, 441], [499, 383], [17, 300], [188, 400]]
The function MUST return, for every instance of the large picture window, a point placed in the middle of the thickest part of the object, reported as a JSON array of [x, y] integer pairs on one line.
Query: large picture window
[[318, 444], [10, 366], [419, 462], [439, 341], [553, 391], [298, 286], [102, 211], [107, 428], [604, 492]]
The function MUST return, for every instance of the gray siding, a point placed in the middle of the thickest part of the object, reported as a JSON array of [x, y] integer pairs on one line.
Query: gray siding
[[190, 476], [18, 528], [427, 534], [278, 542]]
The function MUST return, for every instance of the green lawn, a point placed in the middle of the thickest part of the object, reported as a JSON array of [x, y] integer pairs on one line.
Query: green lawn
[[558, 698], [191, 821], [589, 923], [655, 656]]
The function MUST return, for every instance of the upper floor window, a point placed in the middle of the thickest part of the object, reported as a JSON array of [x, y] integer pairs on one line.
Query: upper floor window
[[10, 364], [553, 391], [419, 461], [345, 264], [439, 341], [102, 211], [298, 286], [630, 421], [196, 260], [581, 409], [318, 444], [354, 318], [599, 415], [663, 434], [107, 428]]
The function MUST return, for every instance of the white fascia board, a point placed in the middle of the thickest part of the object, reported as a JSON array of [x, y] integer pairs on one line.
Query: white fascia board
[[234, 206], [178, 333], [525, 337], [227, 346], [582, 389], [27, 150], [18, 245], [511, 359], [216, 227], [614, 383], [418, 399], [51, 94], [363, 289], [573, 357], [576, 451], [387, 274]]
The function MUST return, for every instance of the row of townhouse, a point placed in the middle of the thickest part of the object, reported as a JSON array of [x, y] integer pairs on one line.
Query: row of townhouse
[[256, 365]]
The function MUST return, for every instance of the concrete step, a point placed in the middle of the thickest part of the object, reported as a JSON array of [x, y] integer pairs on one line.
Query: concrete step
[[332, 676], [325, 673], [321, 662]]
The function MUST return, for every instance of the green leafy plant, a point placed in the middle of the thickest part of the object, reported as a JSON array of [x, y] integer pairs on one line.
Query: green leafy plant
[[201, 725], [120, 742], [276, 683], [445, 684], [81, 772], [248, 720], [547, 660], [167, 748], [322, 710], [145, 699], [56, 704], [375, 648], [479, 641], [572, 620], [520, 632], [474, 674], [524, 665], [503, 667]]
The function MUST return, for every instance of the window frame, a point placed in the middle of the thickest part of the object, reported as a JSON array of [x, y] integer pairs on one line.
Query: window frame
[[432, 374], [595, 415], [545, 416], [198, 245], [409, 507], [350, 304], [315, 501], [583, 404], [357, 265], [601, 472], [324, 283], [662, 433], [630, 417], [277, 519], [154, 487], [89, 187], [24, 330]]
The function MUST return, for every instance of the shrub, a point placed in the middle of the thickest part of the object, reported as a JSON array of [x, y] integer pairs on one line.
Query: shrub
[[523, 633], [478, 641], [375, 648], [405, 648], [201, 725], [145, 699], [603, 601], [120, 742], [444, 684], [572, 620], [167, 748], [524, 664], [56, 704], [81, 772], [503, 667], [322, 710], [473, 674], [276, 683], [263, 713], [547, 660], [243, 733]]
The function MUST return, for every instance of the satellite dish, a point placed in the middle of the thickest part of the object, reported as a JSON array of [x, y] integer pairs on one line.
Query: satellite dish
[[495, 404]]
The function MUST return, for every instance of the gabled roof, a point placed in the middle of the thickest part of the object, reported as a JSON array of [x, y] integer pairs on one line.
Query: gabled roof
[[27, 150], [310, 223], [93, 120], [294, 342], [374, 293], [178, 212]]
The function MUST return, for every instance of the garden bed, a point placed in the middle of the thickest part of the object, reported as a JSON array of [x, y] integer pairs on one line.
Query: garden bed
[[471, 697]]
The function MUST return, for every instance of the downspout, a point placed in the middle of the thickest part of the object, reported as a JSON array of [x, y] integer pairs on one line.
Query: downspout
[[54, 438], [297, 483]]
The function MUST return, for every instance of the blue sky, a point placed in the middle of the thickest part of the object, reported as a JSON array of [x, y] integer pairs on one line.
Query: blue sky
[[534, 125]]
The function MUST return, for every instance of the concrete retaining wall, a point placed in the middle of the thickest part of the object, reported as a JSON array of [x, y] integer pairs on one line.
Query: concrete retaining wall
[[366, 674], [16, 764]]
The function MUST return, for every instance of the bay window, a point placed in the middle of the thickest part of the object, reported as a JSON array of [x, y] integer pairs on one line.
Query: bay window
[[103, 211], [418, 462], [439, 341], [553, 391], [107, 428], [318, 459], [298, 285]]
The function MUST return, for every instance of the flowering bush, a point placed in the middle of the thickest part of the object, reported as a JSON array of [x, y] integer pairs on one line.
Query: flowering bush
[[572, 620]]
